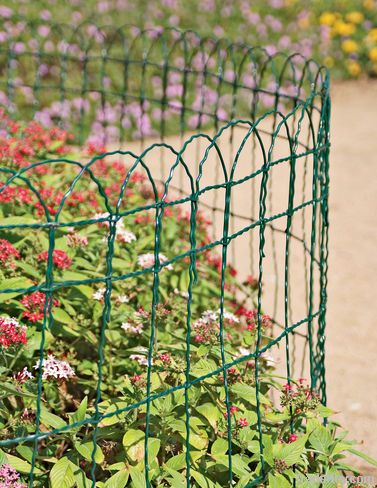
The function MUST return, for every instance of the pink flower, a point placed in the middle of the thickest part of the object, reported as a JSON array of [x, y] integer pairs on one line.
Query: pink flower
[[54, 368], [147, 261], [9, 478], [23, 376]]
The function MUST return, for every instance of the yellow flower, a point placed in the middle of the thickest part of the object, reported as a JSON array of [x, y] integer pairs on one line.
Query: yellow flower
[[350, 46], [329, 61], [373, 34], [368, 4], [343, 28], [354, 68], [355, 17], [373, 54], [327, 18]]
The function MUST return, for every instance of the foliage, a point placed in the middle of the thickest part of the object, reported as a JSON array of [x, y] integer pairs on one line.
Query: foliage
[[99, 408]]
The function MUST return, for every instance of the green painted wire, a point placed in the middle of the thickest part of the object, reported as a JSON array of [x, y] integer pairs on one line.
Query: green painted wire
[[303, 105]]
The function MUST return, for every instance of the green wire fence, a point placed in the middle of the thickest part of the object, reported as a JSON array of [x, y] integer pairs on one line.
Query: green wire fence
[[233, 130]]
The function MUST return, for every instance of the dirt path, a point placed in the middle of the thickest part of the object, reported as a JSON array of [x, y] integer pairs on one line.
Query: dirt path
[[352, 311]]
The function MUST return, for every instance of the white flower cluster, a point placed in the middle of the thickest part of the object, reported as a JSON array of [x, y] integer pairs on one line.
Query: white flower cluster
[[122, 234], [99, 294], [133, 329], [54, 368], [142, 360], [147, 260], [211, 316]]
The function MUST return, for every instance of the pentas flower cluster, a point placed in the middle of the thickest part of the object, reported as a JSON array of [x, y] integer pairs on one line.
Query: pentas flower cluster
[[35, 304], [23, 376], [121, 233], [59, 258], [53, 368], [251, 319], [300, 397], [9, 478], [8, 254], [20, 144], [11, 333], [147, 261], [206, 330]]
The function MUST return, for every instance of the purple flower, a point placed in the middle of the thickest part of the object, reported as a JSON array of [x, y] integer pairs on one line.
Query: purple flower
[[5, 12]]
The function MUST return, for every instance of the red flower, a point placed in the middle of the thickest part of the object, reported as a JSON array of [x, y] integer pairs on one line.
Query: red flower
[[8, 253], [233, 409], [11, 333], [34, 305], [287, 387], [59, 258], [292, 438], [242, 422]]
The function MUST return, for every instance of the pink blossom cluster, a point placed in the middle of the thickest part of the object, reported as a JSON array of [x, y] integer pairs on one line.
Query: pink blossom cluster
[[207, 328], [147, 260], [59, 258], [55, 368], [9, 478], [122, 234], [8, 254]]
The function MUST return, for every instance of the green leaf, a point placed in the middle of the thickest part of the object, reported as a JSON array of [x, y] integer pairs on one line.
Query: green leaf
[[220, 446], [51, 420], [210, 412], [86, 450], [61, 316], [366, 458], [176, 462], [79, 415], [290, 453], [21, 465], [248, 394], [118, 480], [26, 452], [13, 283], [202, 480], [133, 441], [277, 480], [61, 474], [321, 439], [138, 478], [8, 388]]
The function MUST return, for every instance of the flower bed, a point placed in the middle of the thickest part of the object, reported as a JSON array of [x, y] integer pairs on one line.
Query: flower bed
[[149, 377]]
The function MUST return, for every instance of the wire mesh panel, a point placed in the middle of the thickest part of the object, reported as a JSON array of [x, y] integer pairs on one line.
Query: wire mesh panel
[[181, 236]]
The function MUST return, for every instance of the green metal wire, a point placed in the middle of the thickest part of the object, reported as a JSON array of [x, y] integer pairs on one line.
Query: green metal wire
[[135, 56]]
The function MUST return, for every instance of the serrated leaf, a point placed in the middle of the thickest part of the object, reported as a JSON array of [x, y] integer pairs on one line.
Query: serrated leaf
[[277, 480], [61, 316], [321, 439], [290, 453]]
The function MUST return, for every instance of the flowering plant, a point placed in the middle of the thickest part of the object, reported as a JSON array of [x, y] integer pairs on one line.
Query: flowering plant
[[114, 369]]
